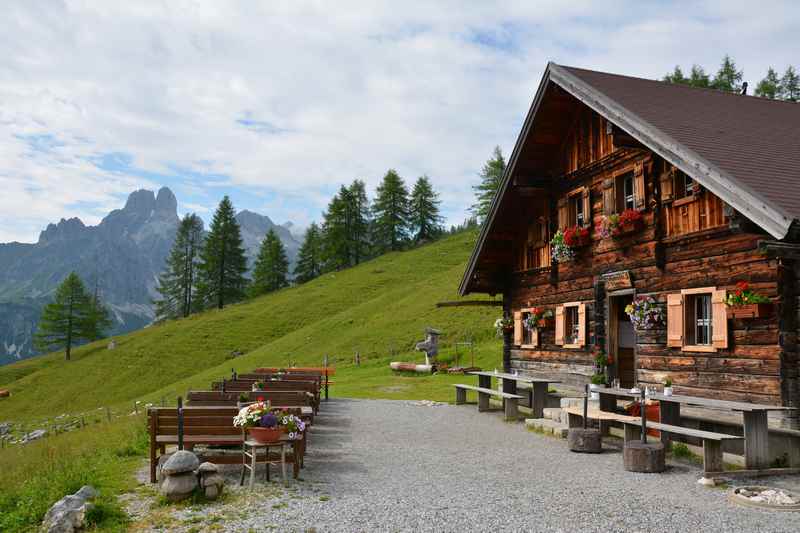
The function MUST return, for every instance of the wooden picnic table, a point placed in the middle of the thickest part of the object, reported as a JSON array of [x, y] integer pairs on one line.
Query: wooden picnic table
[[756, 428], [536, 395]]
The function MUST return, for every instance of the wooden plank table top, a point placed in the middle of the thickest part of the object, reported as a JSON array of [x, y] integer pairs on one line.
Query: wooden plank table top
[[514, 377], [700, 402]]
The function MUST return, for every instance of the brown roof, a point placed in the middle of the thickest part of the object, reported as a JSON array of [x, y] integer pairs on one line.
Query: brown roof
[[755, 141], [744, 149]]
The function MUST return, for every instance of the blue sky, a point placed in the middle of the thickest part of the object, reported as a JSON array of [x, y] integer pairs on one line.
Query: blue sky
[[278, 103]]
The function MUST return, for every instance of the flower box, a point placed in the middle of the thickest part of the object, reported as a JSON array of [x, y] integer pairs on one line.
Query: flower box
[[546, 323], [265, 435], [627, 228], [750, 311]]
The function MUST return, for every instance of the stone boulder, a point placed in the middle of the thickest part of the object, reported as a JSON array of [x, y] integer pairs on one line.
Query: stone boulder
[[180, 462], [211, 481], [69, 513]]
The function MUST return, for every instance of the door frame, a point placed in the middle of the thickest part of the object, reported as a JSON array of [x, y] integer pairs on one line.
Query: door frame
[[612, 310]]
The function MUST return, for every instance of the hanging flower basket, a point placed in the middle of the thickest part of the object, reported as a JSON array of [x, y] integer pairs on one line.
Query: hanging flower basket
[[565, 242], [645, 313], [503, 325], [630, 221], [744, 302], [576, 237], [540, 318]]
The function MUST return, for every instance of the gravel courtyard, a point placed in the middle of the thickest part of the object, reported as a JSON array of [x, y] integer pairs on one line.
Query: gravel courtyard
[[377, 465]]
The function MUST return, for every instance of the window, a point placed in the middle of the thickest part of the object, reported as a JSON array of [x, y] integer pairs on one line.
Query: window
[[684, 185], [576, 215], [698, 320], [626, 198], [571, 325]]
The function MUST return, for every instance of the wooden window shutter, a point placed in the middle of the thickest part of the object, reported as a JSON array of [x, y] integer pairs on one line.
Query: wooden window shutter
[[675, 320], [563, 213], [609, 198], [518, 328], [639, 192], [667, 184], [719, 320], [560, 325], [582, 325], [587, 208]]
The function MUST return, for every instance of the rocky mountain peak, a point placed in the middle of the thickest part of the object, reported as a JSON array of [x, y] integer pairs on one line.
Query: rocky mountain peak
[[66, 229], [166, 202], [141, 201]]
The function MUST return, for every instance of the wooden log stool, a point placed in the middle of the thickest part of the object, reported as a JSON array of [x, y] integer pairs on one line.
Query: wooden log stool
[[584, 439], [647, 457]]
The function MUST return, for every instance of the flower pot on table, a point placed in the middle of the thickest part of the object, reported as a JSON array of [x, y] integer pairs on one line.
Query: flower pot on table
[[265, 435]]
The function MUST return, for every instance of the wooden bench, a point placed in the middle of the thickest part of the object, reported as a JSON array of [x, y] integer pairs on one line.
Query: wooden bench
[[510, 401], [632, 426], [323, 371], [246, 385], [276, 398], [211, 426]]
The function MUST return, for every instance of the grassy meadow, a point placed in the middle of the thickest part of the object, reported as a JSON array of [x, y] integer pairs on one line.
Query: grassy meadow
[[378, 309]]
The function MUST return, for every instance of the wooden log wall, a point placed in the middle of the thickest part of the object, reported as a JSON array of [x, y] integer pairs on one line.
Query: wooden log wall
[[714, 255]]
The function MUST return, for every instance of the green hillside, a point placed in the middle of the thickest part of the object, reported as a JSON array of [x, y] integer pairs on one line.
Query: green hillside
[[377, 309]]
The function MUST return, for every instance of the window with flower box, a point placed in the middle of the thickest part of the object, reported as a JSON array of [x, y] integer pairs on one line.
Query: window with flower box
[[697, 320]]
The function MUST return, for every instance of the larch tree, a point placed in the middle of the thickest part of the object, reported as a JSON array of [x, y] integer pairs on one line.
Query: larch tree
[[770, 86], [271, 270], [699, 78], [390, 213], [676, 76], [491, 176], [790, 85], [178, 283], [357, 205], [309, 258], [426, 222], [71, 318], [221, 273]]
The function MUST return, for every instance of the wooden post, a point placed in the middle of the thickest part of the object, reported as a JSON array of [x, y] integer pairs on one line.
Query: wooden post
[[483, 401], [180, 423], [325, 366], [585, 405], [223, 385], [461, 396], [712, 456], [756, 440], [108, 414], [539, 393], [643, 409], [670, 414]]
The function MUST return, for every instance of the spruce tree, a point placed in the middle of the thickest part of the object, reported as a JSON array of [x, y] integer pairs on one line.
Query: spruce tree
[[390, 213], [309, 259], [72, 317], [358, 221], [770, 86], [271, 270], [491, 176], [426, 223], [728, 78], [98, 319], [178, 283], [790, 85], [223, 264]]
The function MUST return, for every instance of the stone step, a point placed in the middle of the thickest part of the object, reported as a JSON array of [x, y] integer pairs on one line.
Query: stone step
[[552, 413], [547, 426]]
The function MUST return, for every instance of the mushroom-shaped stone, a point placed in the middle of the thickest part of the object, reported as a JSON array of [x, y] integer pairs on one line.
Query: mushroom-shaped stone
[[207, 467], [180, 462], [176, 487]]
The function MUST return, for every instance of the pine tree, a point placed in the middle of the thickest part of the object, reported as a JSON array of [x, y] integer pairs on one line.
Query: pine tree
[[728, 78], [222, 261], [698, 77], [71, 318], [178, 283], [770, 86], [790, 85], [309, 259], [426, 223], [676, 76], [98, 319], [358, 221], [390, 213], [271, 270], [491, 176]]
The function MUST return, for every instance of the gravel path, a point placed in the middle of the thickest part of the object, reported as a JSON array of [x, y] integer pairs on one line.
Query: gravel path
[[376, 465]]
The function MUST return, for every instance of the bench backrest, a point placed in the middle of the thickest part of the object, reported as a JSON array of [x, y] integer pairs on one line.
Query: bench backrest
[[244, 385], [276, 398], [282, 377], [321, 370], [215, 420]]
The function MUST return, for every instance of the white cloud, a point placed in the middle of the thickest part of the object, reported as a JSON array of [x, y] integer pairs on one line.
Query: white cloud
[[289, 99]]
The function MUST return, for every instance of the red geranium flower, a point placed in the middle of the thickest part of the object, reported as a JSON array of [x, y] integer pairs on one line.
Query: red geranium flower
[[742, 285], [260, 398]]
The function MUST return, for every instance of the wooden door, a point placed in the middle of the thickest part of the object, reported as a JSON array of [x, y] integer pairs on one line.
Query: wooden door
[[625, 342]]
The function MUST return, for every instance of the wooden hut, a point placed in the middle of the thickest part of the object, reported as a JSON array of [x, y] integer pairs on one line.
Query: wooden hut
[[709, 184]]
